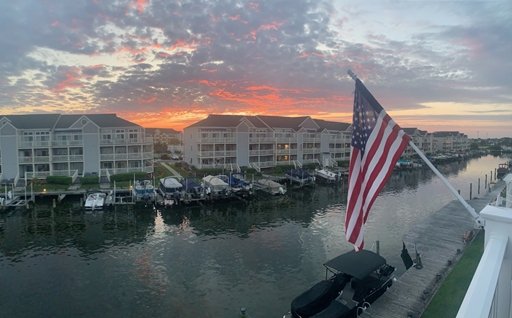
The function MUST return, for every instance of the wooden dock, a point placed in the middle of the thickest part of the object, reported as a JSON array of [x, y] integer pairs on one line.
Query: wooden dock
[[440, 244]]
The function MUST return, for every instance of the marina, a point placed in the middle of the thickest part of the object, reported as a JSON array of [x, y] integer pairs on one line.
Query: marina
[[209, 260]]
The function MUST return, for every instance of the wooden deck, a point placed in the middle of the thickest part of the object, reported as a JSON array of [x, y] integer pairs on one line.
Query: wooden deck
[[438, 238]]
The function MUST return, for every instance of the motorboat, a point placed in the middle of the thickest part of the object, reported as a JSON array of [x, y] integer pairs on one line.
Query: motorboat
[[143, 191], [236, 183], [502, 170], [300, 176], [216, 186], [95, 201], [328, 175], [193, 189], [170, 189], [270, 186], [353, 281]]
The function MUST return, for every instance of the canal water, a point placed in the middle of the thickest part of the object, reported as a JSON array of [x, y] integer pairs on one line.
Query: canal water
[[203, 261]]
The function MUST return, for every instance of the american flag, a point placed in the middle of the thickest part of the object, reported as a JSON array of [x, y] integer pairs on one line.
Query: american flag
[[377, 144]]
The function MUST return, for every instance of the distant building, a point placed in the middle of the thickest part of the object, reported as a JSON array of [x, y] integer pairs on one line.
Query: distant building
[[38, 146], [450, 141], [164, 135], [232, 141]]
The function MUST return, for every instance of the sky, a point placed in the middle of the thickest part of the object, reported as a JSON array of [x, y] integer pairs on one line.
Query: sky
[[433, 65]]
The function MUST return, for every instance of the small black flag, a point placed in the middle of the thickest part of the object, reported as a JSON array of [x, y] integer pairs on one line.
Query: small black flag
[[406, 257]]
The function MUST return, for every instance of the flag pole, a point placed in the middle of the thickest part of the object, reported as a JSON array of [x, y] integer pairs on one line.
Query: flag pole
[[469, 208], [479, 221]]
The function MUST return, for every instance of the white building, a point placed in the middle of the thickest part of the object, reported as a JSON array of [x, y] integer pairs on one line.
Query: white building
[[37, 146], [233, 141]]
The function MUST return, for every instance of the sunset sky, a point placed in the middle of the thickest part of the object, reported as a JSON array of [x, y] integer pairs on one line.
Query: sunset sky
[[434, 65]]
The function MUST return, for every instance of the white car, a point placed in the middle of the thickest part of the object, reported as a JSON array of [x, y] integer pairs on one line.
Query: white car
[[175, 157]]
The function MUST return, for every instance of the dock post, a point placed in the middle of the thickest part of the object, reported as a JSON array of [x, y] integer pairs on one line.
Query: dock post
[[54, 205], [478, 185], [490, 178], [378, 247], [470, 190], [81, 203]]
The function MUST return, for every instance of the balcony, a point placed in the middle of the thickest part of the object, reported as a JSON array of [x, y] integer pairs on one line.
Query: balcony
[[63, 158], [217, 140], [135, 155], [311, 150], [42, 159], [38, 175], [286, 151], [76, 158], [67, 143], [262, 139], [205, 154]]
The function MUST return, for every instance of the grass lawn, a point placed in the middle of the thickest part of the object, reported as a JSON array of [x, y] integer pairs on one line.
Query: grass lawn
[[448, 298], [48, 187]]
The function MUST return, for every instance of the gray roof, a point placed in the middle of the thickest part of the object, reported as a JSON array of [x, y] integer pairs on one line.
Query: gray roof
[[32, 121], [283, 122], [263, 121], [445, 133], [219, 121], [331, 125], [409, 131], [60, 121]]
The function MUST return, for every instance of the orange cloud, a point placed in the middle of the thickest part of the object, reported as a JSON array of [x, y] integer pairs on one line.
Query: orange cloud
[[139, 5], [207, 70], [72, 80], [55, 23], [146, 101], [254, 6]]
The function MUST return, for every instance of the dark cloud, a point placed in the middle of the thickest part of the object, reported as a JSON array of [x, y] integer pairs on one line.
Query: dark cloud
[[273, 55]]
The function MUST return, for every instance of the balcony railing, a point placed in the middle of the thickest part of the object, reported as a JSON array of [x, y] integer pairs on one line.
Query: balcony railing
[[38, 175], [67, 143], [218, 140], [262, 139]]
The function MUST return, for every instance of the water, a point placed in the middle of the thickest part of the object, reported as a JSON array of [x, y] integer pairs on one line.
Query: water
[[202, 261]]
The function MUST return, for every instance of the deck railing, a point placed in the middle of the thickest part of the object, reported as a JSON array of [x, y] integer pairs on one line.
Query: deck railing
[[489, 294]]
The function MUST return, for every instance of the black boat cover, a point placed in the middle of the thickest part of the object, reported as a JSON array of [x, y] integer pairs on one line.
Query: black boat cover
[[298, 173], [335, 310], [318, 297], [189, 184], [357, 264]]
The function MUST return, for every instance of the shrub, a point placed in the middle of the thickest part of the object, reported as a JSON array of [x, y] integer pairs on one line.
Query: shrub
[[129, 176], [178, 164], [59, 180], [90, 180]]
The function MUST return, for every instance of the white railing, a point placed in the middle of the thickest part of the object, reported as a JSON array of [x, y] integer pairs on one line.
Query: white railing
[[38, 175], [489, 294]]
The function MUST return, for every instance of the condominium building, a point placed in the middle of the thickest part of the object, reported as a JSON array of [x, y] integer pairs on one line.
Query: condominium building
[[450, 141], [233, 141], [37, 146], [164, 135]]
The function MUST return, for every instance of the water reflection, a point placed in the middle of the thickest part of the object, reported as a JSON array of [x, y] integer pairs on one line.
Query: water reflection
[[201, 261]]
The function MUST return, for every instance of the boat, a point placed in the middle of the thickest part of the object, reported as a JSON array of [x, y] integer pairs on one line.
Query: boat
[[357, 280], [270, 186], [327, 175], [300, 176], [238, 185], [216, 186], [143, 191], [95, 201], [170, 189], [193, 190], [502, 170]]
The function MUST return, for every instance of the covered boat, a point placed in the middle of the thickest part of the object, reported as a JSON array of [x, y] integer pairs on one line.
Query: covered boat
[[357, 280], [300, 176], [270, 186], [237, 184], [170, 188], [192, 189], [216, 186]]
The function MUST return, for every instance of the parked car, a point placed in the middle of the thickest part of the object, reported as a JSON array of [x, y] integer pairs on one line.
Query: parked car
[[175, 157]]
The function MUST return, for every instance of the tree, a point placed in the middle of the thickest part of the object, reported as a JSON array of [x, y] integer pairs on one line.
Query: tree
[[473, 146]]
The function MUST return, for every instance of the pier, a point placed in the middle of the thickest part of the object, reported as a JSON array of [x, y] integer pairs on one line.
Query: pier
[[440, 241]]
